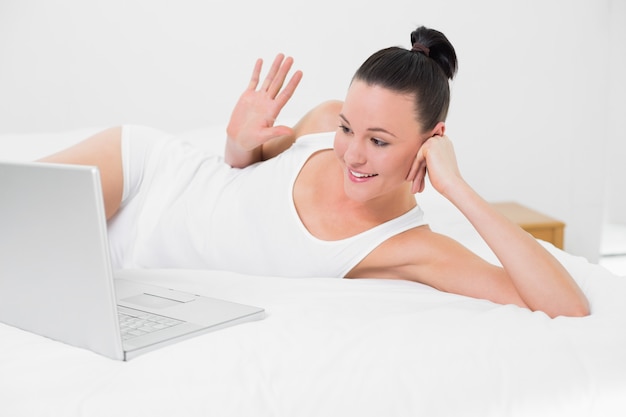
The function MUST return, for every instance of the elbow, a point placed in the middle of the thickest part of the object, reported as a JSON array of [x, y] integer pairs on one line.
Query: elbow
[[581, 308], [578, 309], [581, 311]]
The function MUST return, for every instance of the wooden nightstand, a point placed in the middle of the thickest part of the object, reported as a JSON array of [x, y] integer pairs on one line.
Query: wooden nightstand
[[537, 224]]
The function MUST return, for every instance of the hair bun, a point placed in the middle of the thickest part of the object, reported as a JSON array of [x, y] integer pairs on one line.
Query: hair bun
[[436, 46]]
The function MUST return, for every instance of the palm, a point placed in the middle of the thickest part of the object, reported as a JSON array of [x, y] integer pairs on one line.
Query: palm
[[252, 120]]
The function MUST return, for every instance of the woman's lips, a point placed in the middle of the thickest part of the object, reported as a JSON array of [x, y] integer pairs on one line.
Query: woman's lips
[[359, 176]]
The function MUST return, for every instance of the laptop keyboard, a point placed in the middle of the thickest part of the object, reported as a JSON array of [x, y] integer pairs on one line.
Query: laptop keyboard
[[133, 325]]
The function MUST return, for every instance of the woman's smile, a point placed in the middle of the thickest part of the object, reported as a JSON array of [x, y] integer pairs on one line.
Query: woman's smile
[[357, 176]]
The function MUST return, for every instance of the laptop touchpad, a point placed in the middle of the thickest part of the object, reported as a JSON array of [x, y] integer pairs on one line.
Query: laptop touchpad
[[151, 301]]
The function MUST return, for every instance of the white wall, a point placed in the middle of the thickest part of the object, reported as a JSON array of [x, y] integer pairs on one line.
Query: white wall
[[616, 149], [530, 104]]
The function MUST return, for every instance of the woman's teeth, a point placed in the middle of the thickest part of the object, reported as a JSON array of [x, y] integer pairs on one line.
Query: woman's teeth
[[360, 175]]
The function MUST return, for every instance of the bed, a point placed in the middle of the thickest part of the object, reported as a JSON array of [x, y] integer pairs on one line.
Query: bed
[[332, 347]]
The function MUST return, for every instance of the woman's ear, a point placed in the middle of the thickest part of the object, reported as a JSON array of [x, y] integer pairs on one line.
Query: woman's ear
[[439, 130]]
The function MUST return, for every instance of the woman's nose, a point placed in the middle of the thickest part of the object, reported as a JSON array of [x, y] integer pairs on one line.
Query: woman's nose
[[355, 154]]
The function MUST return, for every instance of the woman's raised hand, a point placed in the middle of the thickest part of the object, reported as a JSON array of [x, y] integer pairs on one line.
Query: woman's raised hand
[[252, 120]]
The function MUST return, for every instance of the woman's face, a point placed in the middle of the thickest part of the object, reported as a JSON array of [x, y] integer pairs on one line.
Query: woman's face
[[377, 141]]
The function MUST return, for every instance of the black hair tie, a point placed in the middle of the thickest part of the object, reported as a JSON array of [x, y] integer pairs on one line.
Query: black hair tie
[[418, 47]]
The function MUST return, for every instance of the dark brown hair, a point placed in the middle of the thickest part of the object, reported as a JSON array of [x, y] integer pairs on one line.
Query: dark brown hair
[[423, 71]]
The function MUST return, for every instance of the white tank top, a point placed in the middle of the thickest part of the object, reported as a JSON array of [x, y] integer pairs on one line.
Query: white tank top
[[194, 211]]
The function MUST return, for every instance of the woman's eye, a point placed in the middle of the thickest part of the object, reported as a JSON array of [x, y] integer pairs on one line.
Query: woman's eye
[[378, 142], [345, 129]]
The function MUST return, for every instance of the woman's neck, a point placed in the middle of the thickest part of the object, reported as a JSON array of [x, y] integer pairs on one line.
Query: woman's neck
[[329, 213]]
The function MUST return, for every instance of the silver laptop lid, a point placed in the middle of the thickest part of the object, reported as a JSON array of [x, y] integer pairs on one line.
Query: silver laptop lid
[[55, 271]]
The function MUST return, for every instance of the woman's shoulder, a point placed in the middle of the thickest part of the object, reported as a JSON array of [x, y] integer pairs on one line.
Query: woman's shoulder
[[407, 255], [410, 246], [322, 140], [394, 257]]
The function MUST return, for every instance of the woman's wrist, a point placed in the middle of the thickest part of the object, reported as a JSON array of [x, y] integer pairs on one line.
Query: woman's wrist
[[456, 190], [238, 157]]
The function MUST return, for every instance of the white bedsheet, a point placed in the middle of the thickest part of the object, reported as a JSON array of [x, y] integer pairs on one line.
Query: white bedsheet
[[332, 347]]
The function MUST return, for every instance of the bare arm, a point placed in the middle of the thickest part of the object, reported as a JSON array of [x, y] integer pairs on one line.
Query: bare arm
[[539, 279], [251, 134], [430, 258], [542, 282]]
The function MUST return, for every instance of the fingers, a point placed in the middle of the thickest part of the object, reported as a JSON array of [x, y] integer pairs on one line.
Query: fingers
[[276, 76], [419, 168], [256, 75], [270, 78], [274, 81], [417, 173], [436, 159], [289, 89], [419, 183]]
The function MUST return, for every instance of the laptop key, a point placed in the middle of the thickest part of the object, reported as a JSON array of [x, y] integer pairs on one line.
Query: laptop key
[[143, 323]]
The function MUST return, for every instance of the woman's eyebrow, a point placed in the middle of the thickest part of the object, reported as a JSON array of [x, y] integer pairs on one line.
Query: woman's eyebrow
[[370, 129]]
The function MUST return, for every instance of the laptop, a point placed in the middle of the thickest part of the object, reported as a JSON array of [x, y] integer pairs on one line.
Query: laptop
[[56, 276]]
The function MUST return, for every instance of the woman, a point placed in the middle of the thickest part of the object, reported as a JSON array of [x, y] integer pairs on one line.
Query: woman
[[326, 204]]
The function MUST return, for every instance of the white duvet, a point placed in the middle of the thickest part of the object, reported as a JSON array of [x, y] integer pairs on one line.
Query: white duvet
[[332, 347]]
